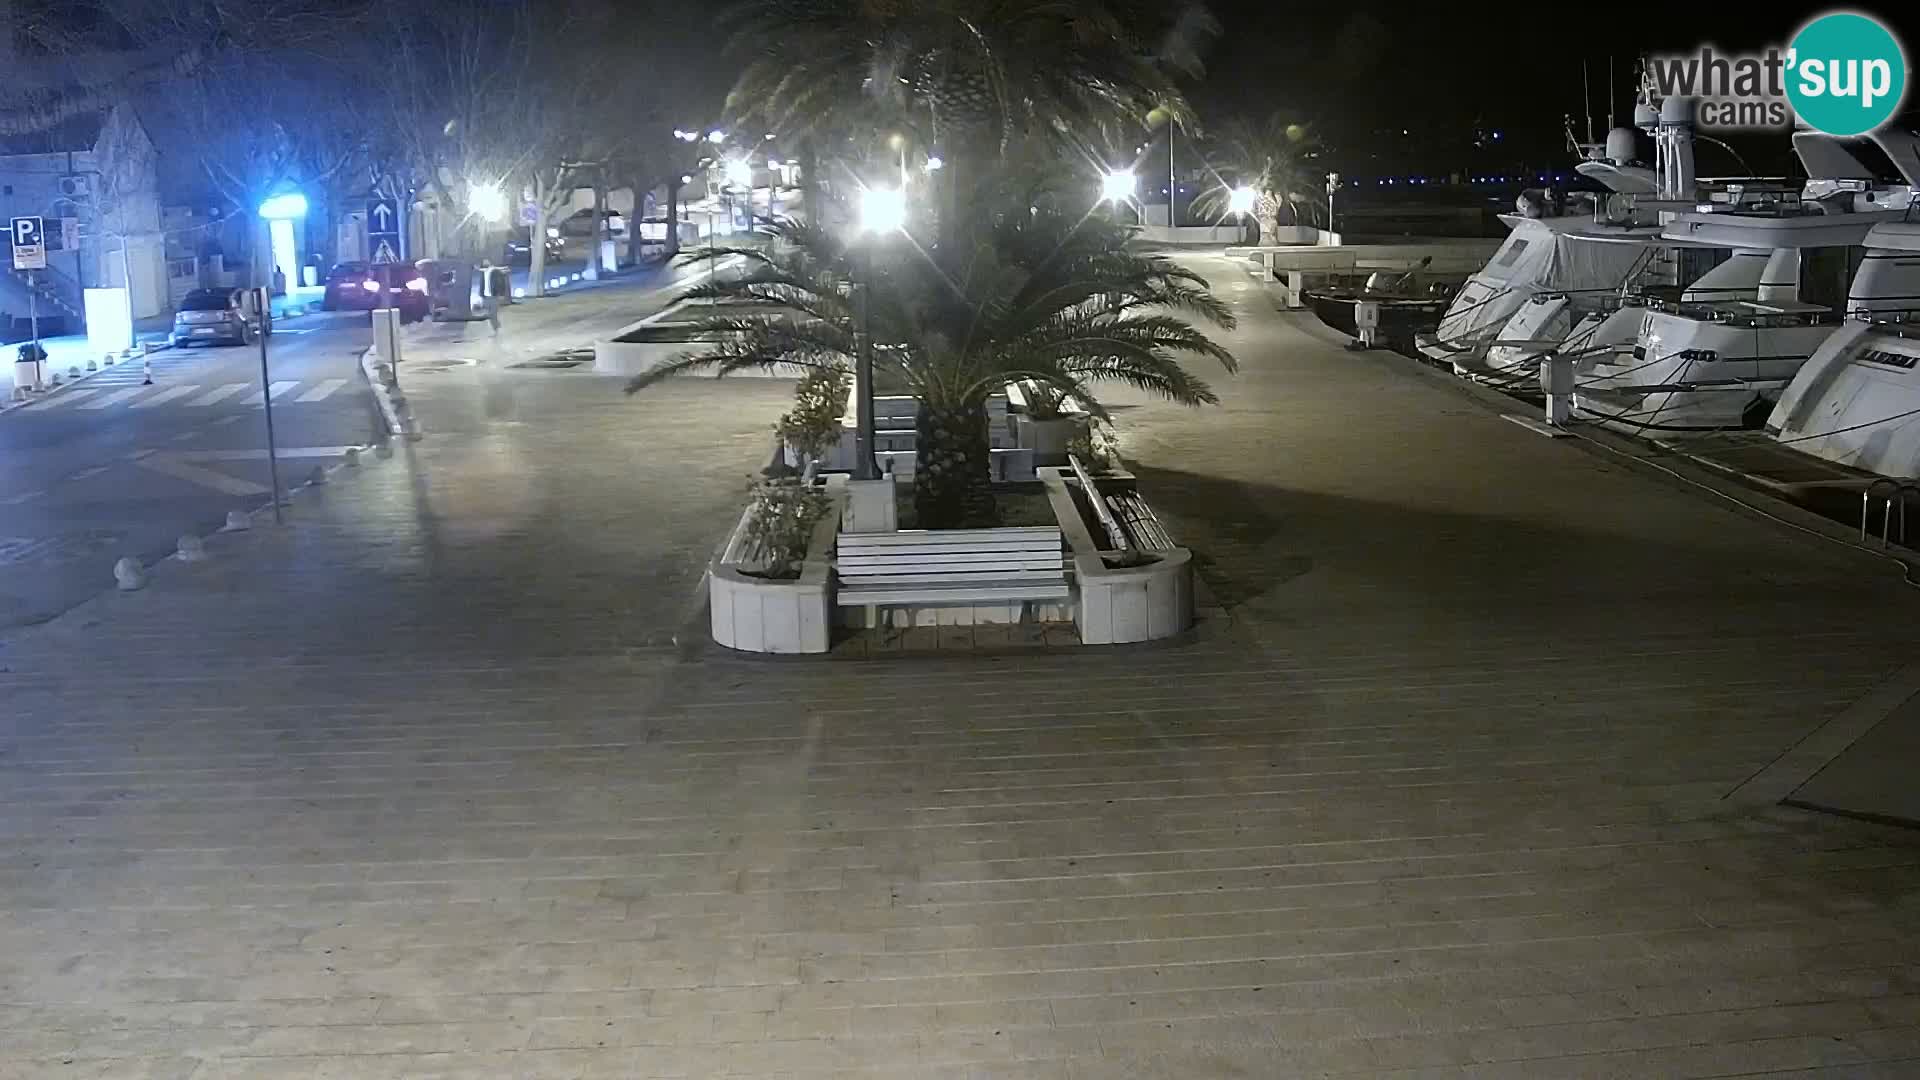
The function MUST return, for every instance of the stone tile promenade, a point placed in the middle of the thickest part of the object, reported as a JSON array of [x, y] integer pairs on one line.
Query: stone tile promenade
[[1465, 775]]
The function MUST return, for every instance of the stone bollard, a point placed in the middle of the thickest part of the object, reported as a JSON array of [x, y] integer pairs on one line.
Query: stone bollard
[[317, 477], [73, 371], [191, 549], [129, 575], [237, 521], [353, 457], [94, 365]]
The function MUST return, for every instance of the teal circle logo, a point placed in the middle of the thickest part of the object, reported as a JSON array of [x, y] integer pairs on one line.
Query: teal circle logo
[[1846, 74]]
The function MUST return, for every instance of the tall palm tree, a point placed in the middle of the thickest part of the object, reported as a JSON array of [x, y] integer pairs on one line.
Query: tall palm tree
[[1271, 156], [1052, 297], [966, 77]]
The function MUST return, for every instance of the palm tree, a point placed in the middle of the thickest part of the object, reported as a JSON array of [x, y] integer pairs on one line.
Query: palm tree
[[1272, 158], [1051, 298], [967, 78]]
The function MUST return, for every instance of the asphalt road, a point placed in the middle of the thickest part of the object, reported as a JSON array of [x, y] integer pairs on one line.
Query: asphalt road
[[112, 467]]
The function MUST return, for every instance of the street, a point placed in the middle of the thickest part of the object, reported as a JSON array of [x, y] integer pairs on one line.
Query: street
[[114, 467]]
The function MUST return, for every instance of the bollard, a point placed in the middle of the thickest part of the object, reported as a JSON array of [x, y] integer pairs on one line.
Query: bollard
[[146, 370], [129, 575], [237, 521], [94, 365], [317, 477], [55, 381], [191, 549], [353, 457]]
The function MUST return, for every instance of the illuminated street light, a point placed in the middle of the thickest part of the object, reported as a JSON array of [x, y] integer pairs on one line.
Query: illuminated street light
[[284, 207], [686, 136], [1117, 185], [740, 173], [716, 136], [686, 178], [488, 201], [1241, 200], [882, 210], [934, 164]]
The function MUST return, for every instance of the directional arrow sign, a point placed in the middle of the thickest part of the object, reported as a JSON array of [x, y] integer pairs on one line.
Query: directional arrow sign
[[383, 229]]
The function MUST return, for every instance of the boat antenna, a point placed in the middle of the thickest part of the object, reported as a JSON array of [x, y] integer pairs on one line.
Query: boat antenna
[[1610, 98], [1586, 98]]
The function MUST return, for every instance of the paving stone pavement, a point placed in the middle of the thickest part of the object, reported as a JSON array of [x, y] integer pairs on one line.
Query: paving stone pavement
[[425, 785]]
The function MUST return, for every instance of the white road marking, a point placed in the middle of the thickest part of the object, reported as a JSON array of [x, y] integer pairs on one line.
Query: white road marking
[[323, 391], [212, 396], [274, 390], [25, 496], [166, 395], [115, 398], [67, 398], [88, 474]]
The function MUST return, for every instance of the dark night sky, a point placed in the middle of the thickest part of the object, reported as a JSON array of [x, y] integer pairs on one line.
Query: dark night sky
[[1360, 69]]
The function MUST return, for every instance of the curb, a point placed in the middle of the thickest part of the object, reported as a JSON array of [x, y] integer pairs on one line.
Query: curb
[[393, 405]]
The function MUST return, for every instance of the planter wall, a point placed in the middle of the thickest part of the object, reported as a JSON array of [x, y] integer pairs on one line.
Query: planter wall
[[764, 615], [1116, 605]]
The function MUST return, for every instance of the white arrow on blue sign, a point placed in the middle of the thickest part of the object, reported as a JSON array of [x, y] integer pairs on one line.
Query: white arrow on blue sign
[[383, 229]]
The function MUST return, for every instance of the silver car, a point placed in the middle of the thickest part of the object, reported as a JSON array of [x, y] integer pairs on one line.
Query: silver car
[[218, 317]]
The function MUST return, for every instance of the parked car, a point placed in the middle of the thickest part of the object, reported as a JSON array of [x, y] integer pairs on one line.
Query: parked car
[[580, 223], [517, 252], [359, 286], [218, 317]]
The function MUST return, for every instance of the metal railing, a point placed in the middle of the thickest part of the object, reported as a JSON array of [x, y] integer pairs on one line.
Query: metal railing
[[1893, 496]]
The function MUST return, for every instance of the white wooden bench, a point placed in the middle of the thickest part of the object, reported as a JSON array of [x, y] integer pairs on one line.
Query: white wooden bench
[[949, 566]]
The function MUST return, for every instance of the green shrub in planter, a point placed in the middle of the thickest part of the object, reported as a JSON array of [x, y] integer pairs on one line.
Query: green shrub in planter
[[784, 513]]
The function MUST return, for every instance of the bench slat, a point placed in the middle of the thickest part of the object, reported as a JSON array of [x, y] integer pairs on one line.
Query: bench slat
[[1003, 574], [922, 594], [935, 570], [934, 551], [954, 537]]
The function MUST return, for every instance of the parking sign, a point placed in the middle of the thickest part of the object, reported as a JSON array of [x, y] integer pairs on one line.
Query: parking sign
[[29, 244]]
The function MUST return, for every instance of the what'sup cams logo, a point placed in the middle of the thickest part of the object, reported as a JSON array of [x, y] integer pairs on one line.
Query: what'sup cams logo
[[1844, 73]]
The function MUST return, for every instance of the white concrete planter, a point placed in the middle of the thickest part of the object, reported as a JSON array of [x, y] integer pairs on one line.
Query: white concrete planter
[[766, 615], [1049, 438], [1115, 605]]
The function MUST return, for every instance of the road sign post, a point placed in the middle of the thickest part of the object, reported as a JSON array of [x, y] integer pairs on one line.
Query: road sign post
[[265, 298]]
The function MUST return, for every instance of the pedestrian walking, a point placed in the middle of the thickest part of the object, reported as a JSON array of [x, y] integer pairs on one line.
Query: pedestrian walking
[[490, 289]]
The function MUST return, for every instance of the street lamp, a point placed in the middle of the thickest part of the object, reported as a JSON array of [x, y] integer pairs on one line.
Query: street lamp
[[1240, 203], [488, 201], [1117, 185], [1333, 185], [716, 136], [883, 211], [934, 164]]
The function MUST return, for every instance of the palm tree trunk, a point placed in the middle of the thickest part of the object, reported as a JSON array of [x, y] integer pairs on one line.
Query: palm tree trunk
[[672, 246], [950, 475]]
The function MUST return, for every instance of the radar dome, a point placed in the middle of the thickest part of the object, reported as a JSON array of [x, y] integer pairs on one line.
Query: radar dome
[[1620, 145]]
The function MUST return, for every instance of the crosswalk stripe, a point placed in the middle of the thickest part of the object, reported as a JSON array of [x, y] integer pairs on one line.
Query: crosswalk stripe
[[215, 395], [166, 395], [274, 390], [115, 398], [323, 391], [62, 399]]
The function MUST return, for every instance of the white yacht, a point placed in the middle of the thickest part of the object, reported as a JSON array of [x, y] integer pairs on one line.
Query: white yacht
[[1856, 402], [1714, 362]]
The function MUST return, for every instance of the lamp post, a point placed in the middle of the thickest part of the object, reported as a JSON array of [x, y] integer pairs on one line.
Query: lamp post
[[1333, 185], [882, 212], [1240, 203]]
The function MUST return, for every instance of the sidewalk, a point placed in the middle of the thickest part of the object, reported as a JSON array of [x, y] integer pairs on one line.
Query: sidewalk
[[435, 781]]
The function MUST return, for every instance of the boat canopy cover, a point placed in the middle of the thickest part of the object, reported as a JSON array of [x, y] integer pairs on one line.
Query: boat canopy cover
[[1553, 259]]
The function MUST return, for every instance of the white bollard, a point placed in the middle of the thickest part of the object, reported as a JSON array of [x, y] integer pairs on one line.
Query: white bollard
[[353, 457], [73, 371], [191, 549], [237, 521], [129, 575], [94, 365], [317, 477]]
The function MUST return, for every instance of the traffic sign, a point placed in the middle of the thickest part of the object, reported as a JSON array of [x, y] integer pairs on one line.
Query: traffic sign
[[529, 214], [383, 229], [29, 244]]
